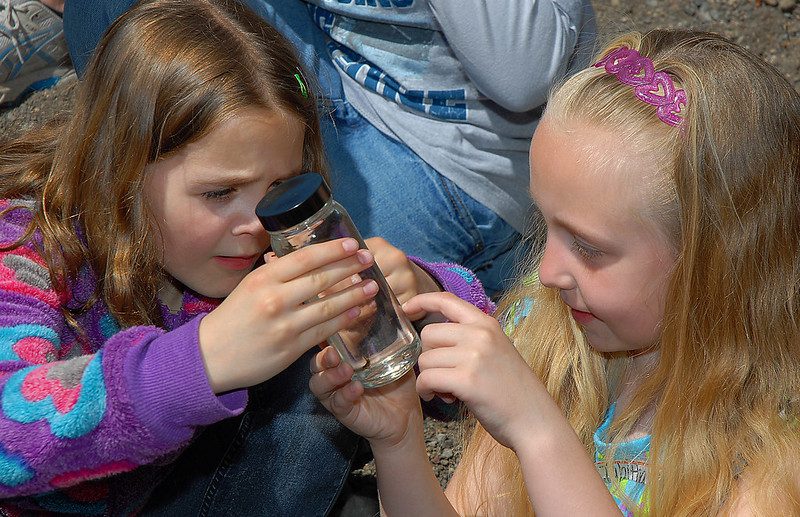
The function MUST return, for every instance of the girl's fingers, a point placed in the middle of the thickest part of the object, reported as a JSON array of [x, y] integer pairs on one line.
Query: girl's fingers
[[447, 357], [347, 282], [414, 316], [347, 302], [324, 279], [325, 325], [313, 257], [437, 335], [449, 305], [442, 382], [343, 400], [325, 359], [441, 359], [326, 382]]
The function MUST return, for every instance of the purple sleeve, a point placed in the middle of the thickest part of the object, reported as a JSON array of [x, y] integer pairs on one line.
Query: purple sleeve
[[169, 387], [79, 407], [458, 280]]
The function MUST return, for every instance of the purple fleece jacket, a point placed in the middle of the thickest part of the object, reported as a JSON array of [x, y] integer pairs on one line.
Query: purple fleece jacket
[[76, 412]]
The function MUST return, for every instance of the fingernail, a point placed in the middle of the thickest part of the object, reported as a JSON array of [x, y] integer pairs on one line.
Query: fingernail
[[350, 244], [364, 256], [355, 279], [370, 288], [354, 312], [330, 360]]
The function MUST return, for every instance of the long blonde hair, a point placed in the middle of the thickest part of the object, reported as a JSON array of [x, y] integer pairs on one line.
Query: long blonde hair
[[728, 376], [166, 73]]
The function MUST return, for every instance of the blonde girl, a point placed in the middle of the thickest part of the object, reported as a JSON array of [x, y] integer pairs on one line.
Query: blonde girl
[[655, 364]]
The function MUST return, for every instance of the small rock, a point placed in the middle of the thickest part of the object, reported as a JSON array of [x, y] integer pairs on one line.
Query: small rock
[[447, 453], [773, 3], [787, 5], [704, 15]]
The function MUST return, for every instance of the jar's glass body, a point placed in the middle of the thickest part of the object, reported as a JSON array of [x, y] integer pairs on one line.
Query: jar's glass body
[[381, 344]]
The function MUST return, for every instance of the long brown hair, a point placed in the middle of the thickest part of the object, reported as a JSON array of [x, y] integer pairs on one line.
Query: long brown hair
[[165, 74], [728, 375]]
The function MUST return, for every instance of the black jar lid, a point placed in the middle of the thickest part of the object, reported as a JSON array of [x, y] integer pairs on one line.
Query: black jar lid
[[293, 201]]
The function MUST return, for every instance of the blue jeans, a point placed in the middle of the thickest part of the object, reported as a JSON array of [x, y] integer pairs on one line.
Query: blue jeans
[[389, 191]]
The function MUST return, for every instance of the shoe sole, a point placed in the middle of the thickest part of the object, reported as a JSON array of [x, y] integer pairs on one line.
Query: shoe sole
[[14, 92]]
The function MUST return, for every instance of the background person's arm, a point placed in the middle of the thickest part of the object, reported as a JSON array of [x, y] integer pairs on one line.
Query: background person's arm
[[513, 50]]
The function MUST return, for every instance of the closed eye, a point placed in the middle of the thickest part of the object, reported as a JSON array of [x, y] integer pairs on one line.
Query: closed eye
[[219, 193], [585, 251]]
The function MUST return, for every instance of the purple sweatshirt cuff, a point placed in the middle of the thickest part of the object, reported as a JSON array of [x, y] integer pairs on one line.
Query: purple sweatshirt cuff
[[458, 280], [170, 388]]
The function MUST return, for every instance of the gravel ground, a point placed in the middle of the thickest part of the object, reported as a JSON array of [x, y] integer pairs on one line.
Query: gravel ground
[[770, 28]]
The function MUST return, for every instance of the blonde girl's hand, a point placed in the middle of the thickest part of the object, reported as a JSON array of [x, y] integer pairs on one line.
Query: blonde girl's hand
[[471, 358], [384, 415], [273, 316], [405, 278]]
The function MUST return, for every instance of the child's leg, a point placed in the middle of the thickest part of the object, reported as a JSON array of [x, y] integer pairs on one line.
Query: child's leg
[[391, 192], [85, 21]]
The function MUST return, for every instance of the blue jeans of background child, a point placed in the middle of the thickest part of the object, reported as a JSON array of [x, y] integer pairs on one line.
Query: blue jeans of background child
[[389, 191]]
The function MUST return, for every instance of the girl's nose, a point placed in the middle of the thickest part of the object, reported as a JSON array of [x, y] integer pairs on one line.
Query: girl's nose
[[554, 267], [248, 223]]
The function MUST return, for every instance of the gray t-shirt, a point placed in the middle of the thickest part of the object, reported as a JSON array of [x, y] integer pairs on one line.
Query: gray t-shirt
[[461, 82]]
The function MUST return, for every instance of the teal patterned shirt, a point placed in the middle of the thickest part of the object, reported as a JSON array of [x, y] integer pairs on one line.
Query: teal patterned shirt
[[629, 477]]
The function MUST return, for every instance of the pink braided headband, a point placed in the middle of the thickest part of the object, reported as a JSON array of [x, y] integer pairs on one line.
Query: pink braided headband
[[655, 88]]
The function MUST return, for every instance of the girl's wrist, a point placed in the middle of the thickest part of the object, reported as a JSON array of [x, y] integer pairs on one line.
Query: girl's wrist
[[541, 432], [412, 438], [540, 424], [217, 379]]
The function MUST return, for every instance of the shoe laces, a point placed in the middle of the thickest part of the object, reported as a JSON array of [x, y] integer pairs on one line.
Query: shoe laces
[[11, 25]]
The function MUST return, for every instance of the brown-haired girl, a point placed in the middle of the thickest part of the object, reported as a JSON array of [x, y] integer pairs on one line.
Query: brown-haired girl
[[122, 228]]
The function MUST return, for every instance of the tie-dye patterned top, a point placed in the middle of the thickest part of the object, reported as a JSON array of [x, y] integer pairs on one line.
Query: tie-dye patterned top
[[75, 410], [629, 477]]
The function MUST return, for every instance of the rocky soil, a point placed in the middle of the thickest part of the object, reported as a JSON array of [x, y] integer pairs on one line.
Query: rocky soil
[[770, 28]]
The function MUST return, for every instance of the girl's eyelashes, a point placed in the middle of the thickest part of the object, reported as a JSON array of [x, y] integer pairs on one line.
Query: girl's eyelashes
[[226, 192], [586, 252], [219, 193]]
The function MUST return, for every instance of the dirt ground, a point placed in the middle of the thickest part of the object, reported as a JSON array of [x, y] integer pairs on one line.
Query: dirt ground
[[770, 31], [770, 28]]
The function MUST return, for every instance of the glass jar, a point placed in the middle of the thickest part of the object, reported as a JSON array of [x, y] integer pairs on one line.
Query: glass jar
[[381, 344]]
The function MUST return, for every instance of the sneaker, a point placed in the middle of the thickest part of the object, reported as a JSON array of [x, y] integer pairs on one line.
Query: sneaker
[[33, 52]]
